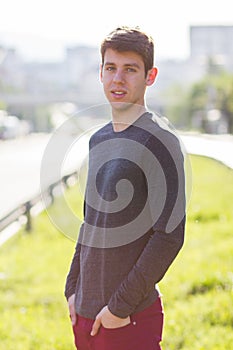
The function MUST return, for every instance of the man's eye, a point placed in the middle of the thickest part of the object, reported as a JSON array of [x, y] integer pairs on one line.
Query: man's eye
[[130, 70], [110, 69]]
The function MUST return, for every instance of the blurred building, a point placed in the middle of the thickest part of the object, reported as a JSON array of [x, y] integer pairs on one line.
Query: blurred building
[[82, 73], [214, 42], [45, 78], [11, 69]]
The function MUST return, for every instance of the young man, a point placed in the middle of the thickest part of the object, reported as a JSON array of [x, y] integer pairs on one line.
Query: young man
[[134, 209]]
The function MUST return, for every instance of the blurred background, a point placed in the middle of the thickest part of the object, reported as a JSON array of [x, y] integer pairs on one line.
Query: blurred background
[[49, 61], [49, 72]]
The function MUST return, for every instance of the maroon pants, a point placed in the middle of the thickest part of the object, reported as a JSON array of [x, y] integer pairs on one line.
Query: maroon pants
[[143, 333]]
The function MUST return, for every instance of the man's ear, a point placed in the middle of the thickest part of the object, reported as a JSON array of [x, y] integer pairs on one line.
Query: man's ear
[[101, 73], [151, 75]]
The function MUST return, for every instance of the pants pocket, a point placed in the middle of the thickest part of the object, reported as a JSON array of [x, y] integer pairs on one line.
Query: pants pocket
[[121, 338]]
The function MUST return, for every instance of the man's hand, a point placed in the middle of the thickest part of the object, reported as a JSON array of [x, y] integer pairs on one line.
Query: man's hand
[[108, 320], [72, 309]]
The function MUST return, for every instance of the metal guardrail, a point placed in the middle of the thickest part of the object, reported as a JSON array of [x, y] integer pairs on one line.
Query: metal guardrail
[[25, 209]]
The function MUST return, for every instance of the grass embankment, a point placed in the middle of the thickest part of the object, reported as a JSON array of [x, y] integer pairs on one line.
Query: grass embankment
[[198, 294], [198, 288]]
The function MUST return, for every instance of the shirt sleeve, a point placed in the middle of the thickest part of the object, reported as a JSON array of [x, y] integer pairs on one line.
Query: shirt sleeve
[[73, 274], [166, 184]]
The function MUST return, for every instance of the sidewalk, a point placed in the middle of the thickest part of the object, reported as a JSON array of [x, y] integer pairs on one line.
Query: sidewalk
[[219, 147]]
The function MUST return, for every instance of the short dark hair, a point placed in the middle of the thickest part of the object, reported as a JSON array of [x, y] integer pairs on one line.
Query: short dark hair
[[125, 38]]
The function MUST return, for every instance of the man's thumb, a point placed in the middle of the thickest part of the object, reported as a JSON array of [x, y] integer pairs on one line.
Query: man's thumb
[[73, 318], [95, 327]]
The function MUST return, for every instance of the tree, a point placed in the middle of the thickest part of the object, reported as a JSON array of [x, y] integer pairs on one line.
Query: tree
[[213, 92]]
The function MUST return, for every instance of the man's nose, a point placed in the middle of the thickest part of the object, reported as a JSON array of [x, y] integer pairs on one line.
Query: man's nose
[[118, 76]]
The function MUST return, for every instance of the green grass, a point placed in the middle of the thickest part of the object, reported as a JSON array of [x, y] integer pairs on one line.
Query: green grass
[[197, 290], [33, 310]]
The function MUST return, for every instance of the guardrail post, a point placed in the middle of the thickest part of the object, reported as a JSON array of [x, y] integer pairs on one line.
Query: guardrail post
[[51, 194], [29, 218]]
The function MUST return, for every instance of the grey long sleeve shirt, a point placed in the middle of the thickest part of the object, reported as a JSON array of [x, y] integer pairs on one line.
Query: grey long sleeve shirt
[[134, 218]]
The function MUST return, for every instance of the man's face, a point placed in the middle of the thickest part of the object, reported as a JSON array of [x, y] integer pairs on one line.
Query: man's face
[[123, 78]]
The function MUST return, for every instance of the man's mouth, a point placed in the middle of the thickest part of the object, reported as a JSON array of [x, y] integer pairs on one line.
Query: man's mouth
[[118, 93]]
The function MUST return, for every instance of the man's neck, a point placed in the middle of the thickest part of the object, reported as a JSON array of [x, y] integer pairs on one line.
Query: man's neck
[[122, 119]]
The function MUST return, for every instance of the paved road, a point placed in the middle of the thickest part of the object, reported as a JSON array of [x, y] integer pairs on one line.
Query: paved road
[[21, 160], [20, 170], [20, 163]]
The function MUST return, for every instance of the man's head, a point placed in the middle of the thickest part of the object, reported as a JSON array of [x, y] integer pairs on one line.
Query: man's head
[[125, 39]]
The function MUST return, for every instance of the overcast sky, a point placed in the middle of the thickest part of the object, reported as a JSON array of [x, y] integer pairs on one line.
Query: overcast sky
[[40, 30]]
